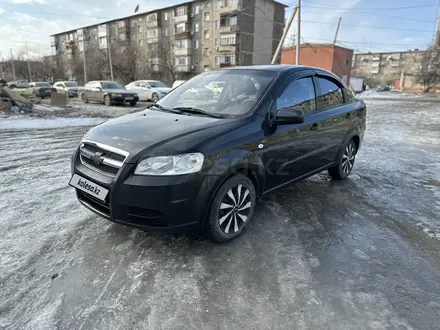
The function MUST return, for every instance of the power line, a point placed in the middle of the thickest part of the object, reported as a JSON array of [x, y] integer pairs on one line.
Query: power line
[[325, 6], [368, 27]]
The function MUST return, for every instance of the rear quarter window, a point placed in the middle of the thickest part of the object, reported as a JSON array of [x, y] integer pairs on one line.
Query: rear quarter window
[[331, 95]]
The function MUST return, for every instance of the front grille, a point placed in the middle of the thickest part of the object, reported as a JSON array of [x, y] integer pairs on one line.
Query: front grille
[[101, 158]]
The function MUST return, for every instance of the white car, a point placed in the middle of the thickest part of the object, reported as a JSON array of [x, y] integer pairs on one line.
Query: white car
[[18, 84], [67, 87], [149, 90]]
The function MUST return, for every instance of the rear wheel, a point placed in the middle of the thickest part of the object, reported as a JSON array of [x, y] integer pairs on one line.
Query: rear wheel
[[107, 100], [133, 104], [232, 209], [346, 162], [84, 98]]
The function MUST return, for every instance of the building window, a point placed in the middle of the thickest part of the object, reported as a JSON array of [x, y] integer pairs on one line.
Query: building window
[[140, 42], [139, 28], [195, 60], [196, 44], [206, 52], [228, 39], [152, 33], [152, 17], [219, 4], [229, 3], [227, 21], [181, 60], [217, 60], [206, 34], [165, 32], [121, 24], [207, 17], [122, 36], [102, 40], [165, 16], [69, 56], [197, 10], [179, 28], [196, 27], [227, 58], [180, 44], [180, 11]]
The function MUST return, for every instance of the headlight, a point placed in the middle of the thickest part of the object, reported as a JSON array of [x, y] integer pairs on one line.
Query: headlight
[[170, 165], [135, 95]]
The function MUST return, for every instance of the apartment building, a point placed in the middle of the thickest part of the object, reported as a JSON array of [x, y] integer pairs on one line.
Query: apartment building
[[401, 69], [177, 42]]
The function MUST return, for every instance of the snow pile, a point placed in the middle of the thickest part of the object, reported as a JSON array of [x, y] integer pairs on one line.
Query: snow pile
[[26, 122], [374, 94]]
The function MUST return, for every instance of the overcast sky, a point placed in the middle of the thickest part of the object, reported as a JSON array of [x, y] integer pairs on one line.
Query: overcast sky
[[376, 25]]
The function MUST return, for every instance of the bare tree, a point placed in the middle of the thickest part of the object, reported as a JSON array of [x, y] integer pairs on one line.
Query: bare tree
[[165, 59], [126, 64], [429, 73]]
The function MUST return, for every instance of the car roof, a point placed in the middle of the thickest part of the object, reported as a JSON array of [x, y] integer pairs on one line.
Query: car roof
[[144, 80], [278, 68]]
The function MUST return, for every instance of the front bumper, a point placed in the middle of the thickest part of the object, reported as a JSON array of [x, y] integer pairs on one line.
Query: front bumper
[[170, 204], [123, 98]]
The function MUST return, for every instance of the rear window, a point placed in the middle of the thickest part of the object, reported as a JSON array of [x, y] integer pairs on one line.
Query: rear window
[[42, 84]]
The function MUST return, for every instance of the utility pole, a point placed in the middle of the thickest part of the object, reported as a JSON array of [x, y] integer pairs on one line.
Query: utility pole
[[85, 38], [286, 30], [298, 32], [337, 31], [13, 67], [110, 58], [29, 64], [436, 27]]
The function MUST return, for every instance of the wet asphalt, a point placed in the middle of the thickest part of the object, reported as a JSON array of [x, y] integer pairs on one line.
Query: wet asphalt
[[319, 254]]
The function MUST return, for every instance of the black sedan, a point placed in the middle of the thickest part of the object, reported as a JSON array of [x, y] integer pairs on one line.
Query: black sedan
[[189, 163], [41, 89]]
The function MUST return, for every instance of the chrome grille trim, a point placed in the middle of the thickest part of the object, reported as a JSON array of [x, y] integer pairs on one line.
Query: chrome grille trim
[[106, 161]]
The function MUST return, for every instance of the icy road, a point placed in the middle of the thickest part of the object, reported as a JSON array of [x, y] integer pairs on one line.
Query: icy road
[[359, 254]]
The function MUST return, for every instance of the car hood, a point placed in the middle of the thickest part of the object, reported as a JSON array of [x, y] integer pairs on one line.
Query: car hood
[[165, 90], [117, 91], [72, 88], [151, 131]]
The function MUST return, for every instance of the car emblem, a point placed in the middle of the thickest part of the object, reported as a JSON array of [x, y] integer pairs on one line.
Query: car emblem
[[97, 158]]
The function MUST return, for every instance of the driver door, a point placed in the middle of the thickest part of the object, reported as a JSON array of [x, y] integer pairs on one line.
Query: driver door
[[290, 149]]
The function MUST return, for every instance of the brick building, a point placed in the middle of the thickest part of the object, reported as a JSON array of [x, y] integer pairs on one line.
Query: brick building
[[326, 56]]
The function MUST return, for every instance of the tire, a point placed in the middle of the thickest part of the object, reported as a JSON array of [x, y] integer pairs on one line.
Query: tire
[[84, 98], [133, 104], [346, 162], [228, 216], [13, 86], [155, 97], [107, 100]]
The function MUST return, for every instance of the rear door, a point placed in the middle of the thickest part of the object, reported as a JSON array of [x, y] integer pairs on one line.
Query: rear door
[[335, 114]]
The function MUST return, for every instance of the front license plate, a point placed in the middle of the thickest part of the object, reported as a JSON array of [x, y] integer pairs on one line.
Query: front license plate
[[129, 98], [48, 91], [89, 187]]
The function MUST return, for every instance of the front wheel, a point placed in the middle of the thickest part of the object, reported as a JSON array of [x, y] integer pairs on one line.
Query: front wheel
[[133, 104], [155, 97], [346, 162], [232, 209]]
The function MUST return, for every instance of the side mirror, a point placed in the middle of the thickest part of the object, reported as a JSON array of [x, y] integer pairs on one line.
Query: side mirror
[[287, 116]]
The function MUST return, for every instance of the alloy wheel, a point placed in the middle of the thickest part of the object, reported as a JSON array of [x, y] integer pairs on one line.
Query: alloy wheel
[[348, 158], [155, 97], [234, 209]]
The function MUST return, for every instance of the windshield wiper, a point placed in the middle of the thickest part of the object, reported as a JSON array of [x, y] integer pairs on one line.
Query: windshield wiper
[[166, 109], [198, 111]]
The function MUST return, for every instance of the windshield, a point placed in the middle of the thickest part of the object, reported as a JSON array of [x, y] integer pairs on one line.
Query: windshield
[[71, 84], [242, 89], [42, 84], [111, 85], [155, 84]]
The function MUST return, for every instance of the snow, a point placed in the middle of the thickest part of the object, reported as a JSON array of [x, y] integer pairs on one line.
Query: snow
[[374, 94], [26, 122]]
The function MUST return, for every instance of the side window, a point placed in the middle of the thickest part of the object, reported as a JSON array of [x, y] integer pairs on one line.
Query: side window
[[331, 94], [298, 94], [136, 84]]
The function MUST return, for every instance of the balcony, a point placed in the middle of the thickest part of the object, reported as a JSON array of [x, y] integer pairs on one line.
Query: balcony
[[182, 51], [226, 64], [183, 68], [227, 48], [181, 18], [228, 28], [152, 21], [152, 40], [182, 34], [227, 10]]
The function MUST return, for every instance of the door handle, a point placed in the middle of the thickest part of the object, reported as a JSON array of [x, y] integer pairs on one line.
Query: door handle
[[314, 127]]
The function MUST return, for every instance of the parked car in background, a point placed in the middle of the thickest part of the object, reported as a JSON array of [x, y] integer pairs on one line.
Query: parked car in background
[[107, 92], [383, 88], [40, 89], [189, 163], [67, 87], [177, 83], [149, 90], [18, 84]]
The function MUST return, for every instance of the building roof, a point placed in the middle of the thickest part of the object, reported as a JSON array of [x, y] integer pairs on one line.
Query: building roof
[[396, 52], [140, 14]]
